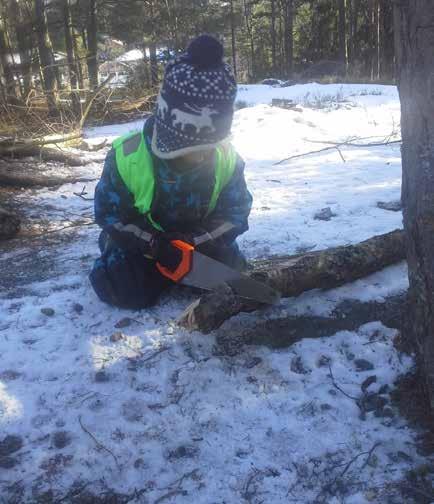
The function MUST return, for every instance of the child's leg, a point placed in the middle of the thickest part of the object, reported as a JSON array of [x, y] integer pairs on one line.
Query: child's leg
[[127, 280]]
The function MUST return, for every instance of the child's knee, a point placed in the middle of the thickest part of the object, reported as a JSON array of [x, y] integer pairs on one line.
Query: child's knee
[[122, 281]]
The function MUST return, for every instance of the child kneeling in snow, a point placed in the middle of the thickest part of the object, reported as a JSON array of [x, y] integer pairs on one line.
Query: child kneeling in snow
[[179, 178]]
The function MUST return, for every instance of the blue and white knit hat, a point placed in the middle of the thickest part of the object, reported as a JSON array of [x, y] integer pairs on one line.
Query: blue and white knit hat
[[195, 105]]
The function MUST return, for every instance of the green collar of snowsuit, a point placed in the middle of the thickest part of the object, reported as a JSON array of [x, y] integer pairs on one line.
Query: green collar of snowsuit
[[136, 168]]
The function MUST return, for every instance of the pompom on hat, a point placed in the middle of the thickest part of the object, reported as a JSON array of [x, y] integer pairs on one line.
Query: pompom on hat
[[196, 101]]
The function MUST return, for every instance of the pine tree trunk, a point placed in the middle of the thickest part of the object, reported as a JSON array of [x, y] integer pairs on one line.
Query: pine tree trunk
[[342, 32], [92, 28], [289, 37], [233, 40], [46, 58], [273, 36], [23, 35], [153, 63], [72, 67], [247, 14], [355, 48], [416, 87], [9, 82], [78, 64]]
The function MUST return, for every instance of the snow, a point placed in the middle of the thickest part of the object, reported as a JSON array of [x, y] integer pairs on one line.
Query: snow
[[133, 55], [169, 415]]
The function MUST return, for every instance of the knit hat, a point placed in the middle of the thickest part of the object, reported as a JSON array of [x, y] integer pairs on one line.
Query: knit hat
[[195, 105]]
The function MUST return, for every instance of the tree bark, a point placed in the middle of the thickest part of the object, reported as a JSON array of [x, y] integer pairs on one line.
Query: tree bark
[[273, 36], [283, 332], [153, 63], [30, 174], [72, 67], [23, 35], [92, 46], [416, 88], [342, 32], [233, 40], [289, 37], [9, 81], [291, 276], [46, 58]]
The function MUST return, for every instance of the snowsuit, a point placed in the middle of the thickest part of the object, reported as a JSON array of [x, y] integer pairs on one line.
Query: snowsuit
[[122, 276]]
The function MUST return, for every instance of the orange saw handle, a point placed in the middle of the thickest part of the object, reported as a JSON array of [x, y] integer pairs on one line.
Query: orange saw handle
[[184, 266]]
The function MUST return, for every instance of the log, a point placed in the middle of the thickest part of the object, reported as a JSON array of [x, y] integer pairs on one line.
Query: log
[[9, 224], [26, 174], [292, 275], [283, 332], [44, 154]]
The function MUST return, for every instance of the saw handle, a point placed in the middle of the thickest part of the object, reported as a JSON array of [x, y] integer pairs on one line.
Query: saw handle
[[184, 266]]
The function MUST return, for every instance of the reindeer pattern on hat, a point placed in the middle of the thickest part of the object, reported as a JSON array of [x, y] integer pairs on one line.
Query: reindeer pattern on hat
[[200, 118]]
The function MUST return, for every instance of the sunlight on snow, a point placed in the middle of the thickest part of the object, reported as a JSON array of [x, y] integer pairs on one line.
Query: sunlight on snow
[[10, 407]]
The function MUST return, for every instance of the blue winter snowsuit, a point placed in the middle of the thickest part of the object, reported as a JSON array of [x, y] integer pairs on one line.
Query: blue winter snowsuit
[[122, 276]]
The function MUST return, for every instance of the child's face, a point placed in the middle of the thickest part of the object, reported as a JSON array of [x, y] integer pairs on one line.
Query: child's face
[[194, 158]]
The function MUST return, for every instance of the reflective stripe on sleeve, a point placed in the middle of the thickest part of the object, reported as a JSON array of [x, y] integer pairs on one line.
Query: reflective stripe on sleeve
[[212, 235]]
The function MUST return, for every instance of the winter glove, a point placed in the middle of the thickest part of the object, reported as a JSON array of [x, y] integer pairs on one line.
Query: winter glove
[[165, 253]]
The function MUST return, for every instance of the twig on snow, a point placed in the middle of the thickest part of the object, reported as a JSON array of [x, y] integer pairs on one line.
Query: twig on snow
[[336, 145], [98, 444], [328, 488], [82, 194], [177, 483], [338, 387]]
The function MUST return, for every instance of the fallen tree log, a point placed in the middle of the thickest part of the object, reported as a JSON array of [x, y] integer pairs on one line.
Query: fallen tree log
[[283, 332], [292, 275], [44, 154], [26, 174], [9, 224]]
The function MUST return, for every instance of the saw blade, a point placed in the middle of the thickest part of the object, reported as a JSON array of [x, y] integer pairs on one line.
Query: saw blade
[[208, 274]]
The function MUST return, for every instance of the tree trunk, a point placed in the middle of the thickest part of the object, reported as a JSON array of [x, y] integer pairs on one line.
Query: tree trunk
[[72, 67], [291, 276], [247, 14], [273, 37], [355, 49], [289, 37], [5, 61], [46, 57], [416, 88], [92, 45], [23, 35], [233, 40], [77, 62], [342, 32], [153, 63], [397, 39], [386, 39]]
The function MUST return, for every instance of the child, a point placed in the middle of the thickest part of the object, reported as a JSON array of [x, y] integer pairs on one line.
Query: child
[[179, 178]]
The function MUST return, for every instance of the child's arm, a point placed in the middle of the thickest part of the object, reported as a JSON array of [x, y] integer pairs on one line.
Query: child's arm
[[115, 211], [233, 207]]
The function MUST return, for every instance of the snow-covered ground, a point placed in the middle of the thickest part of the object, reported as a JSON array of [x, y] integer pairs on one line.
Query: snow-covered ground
[[152, 409]]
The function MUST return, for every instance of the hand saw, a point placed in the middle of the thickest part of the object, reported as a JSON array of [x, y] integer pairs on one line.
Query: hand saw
[[199, 270]]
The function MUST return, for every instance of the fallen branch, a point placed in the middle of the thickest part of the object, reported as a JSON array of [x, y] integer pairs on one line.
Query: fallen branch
[[292, 275], [336, 145], [27, 174]]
